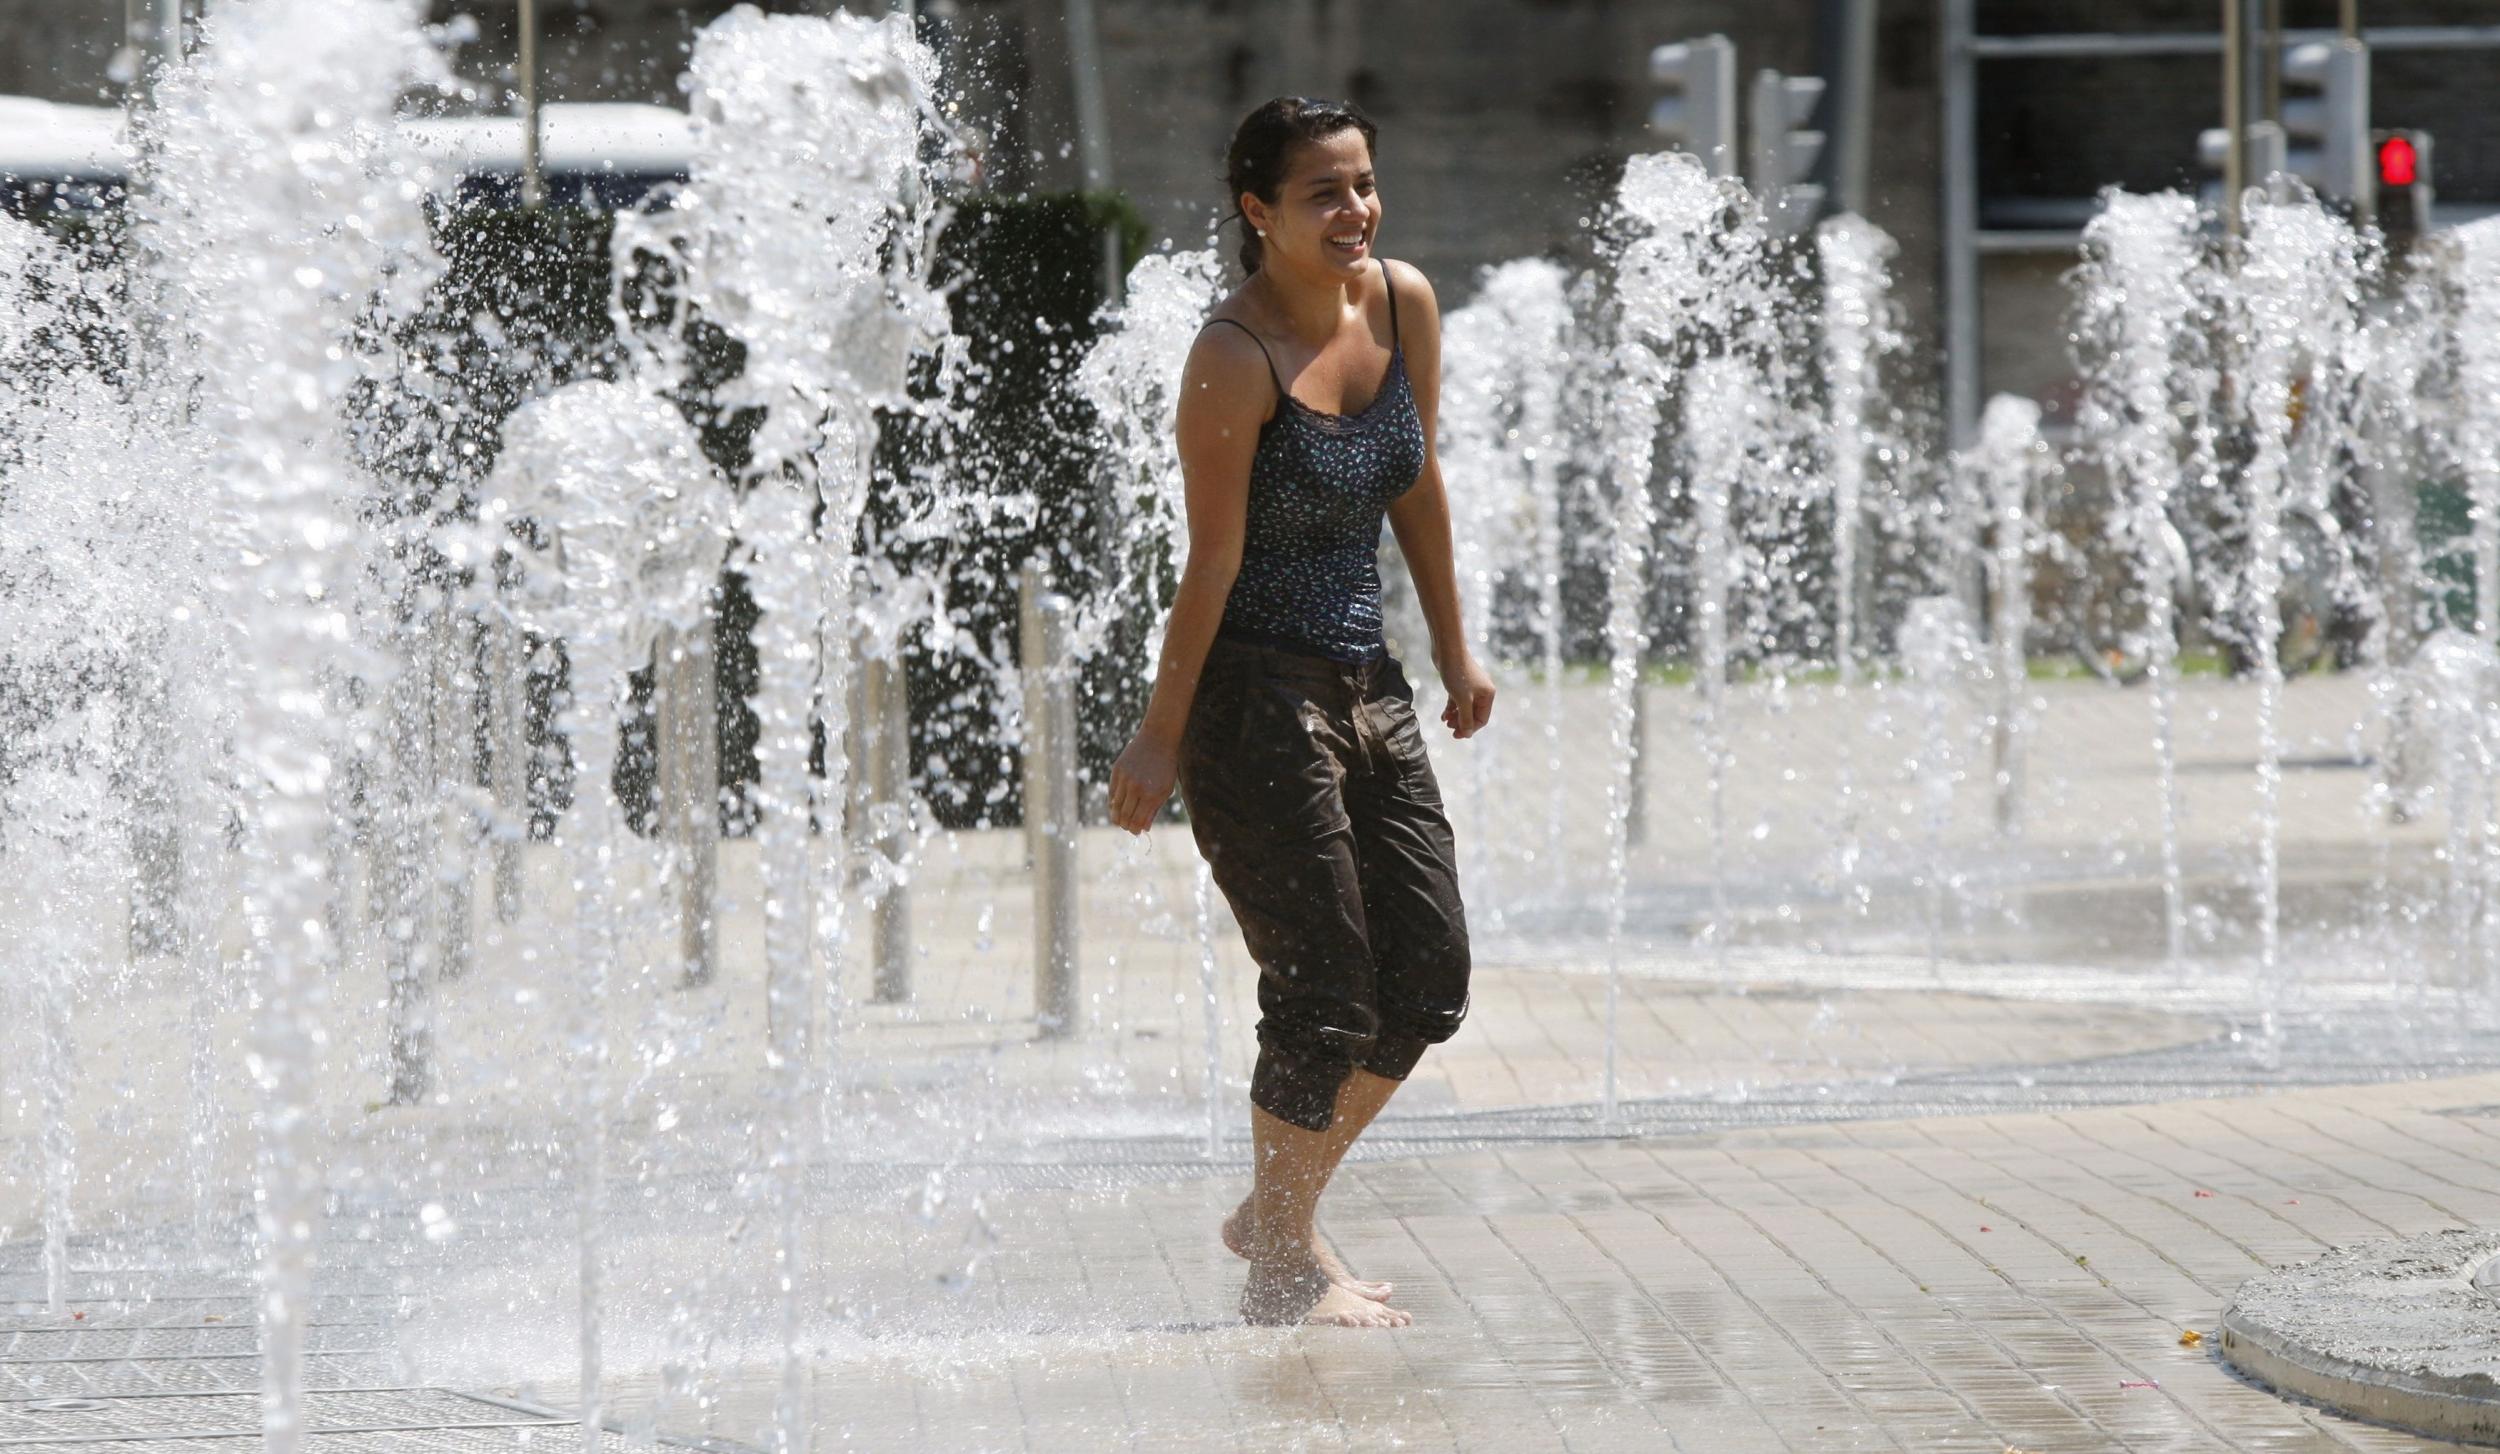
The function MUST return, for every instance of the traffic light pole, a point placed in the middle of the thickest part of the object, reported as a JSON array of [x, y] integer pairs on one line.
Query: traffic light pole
[[2270, 60], [1959, 196], [2234, 112], [1846, 58]]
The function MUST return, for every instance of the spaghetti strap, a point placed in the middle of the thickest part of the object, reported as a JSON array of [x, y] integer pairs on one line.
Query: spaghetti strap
[[1272, 376], [1393, 303]]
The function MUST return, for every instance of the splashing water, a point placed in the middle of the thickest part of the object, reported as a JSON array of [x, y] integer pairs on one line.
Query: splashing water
[[2455, 690], [631, 528], [63, 859], [1858, 332], [1132, 378], [1501, 410], [807, 134], [1938, 652], [277, 128], [2139, 291], [2012, 462], [2297, 291], [1685, 277]]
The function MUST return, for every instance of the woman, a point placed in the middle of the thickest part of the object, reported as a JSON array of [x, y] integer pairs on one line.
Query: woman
[[1306, 413]]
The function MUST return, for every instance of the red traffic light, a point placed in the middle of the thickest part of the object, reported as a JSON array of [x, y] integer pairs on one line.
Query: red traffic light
[[2399, 164]]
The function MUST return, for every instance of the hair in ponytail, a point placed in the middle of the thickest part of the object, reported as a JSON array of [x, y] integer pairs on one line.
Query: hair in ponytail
[[1264, 142]]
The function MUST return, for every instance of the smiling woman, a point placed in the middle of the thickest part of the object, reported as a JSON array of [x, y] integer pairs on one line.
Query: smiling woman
[[1304, 422], [1264, 148]]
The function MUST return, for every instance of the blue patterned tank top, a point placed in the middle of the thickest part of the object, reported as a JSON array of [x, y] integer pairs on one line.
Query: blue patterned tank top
[[1320, 484]]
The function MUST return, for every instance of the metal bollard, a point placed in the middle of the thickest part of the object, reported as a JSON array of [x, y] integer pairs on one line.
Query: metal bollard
[[451, 699], [1636, 807], [686, 708], [507, 759], [888, 732], [409, 808], [154, 828], [1050, 799]]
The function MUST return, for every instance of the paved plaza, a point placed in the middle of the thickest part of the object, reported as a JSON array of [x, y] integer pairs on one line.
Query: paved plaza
[[1856, 1198]]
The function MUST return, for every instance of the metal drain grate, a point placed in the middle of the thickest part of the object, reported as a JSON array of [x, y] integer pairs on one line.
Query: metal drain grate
[[129, 1378], [238, 1415], [532, 1438], [83, 1314], [223, 1339]]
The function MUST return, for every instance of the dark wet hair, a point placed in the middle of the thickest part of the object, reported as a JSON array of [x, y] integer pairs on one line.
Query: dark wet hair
[[1264, 142]]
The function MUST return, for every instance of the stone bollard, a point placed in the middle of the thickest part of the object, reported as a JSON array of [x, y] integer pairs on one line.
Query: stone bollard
[[1050, 799]]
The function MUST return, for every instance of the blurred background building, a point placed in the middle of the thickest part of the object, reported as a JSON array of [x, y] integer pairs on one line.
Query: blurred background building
[[1504, 122]]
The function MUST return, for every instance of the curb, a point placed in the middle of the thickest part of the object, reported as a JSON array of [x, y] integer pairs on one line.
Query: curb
[[2404, 1332]]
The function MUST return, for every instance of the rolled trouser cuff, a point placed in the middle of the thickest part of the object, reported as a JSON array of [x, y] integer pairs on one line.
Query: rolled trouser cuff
[[1298, 1090], [1393, 1056]]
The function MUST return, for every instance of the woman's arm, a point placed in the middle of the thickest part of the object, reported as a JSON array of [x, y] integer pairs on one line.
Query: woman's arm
[[1225, 393], [1421, 516]]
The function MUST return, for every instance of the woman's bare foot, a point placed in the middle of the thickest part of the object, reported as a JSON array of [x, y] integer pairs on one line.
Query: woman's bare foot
[[1237, 1234], [1290, 1288]]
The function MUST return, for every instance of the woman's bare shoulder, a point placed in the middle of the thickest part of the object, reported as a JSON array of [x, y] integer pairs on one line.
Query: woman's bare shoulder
[[1412, 285]]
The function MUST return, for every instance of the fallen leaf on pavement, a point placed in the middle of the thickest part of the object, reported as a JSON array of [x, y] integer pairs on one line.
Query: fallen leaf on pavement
[[2190, 1338]]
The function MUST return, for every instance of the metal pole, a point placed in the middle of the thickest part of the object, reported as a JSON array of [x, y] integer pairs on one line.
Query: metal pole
[[1960, 197], [1636, 795], [686, 706], [154, 827], [1844, 117], [1050, 801], [533, 183], [2270, 58], [1093, 127], [889, 767], [169, 30], [507, 759], [403, 901], [2348, 19], [450, 705], [2234, 113]]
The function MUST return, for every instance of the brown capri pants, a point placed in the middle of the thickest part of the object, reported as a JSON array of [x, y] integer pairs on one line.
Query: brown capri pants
[[1319, 818]]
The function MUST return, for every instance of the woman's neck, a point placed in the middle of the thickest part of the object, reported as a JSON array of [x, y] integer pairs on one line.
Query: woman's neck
[[1312, 308]]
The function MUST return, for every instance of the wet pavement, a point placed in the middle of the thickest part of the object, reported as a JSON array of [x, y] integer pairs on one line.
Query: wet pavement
[[1858, 1196], [1968, 1282]]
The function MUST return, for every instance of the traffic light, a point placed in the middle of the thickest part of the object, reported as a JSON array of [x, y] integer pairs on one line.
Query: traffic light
[[1698, 111], [2404, 185], [2327, 128], [1784, 151]]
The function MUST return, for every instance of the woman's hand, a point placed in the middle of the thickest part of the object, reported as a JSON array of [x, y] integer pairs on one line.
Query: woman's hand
[[1141, 781], [1471, 693]]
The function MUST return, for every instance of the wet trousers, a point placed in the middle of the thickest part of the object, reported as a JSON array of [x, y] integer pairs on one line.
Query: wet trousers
[[1320, 820]]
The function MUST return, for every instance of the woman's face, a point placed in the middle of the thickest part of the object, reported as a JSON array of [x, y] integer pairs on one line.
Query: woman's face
[[1327, 212]]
